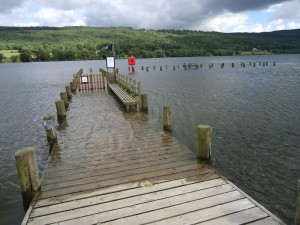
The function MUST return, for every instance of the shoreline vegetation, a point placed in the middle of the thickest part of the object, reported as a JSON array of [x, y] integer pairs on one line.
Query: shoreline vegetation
[[38, 44]]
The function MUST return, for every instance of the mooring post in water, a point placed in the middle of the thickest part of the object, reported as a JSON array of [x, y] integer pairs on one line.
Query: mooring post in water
[[147, 68], [69, 92], [204, 135], [73, 88], [274, 64], [153, 67], [61, 110], [160, 68], [297, 216], [49, 125], [142, 67], [167, 118], [64, 97], [28, 174], [232, 65], [144, 102]]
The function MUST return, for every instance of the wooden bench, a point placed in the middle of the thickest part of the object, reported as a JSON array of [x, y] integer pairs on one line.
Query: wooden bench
[[126, 89]]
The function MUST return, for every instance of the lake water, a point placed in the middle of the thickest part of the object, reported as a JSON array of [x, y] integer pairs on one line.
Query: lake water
[[254, 112]]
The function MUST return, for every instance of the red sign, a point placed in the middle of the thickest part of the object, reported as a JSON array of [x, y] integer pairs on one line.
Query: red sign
[[131, 60]]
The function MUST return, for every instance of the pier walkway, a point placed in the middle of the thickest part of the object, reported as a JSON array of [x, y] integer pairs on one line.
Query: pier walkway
[[115, 167]]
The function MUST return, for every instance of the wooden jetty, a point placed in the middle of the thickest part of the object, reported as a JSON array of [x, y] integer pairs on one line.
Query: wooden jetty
[[118, 168]]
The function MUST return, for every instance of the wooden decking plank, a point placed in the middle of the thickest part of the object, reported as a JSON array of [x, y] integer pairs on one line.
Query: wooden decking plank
[[101, 154], [121, 174], [125, 202], [157, 190], [265, 221], [182, 177], [126, 160], [197, 216], [107, 183], [99, 171], [147, 212], [238, 218]]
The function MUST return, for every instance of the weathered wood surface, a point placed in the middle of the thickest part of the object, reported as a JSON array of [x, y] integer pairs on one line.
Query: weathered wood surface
[[116, 168], [91, 82], [125, 88]]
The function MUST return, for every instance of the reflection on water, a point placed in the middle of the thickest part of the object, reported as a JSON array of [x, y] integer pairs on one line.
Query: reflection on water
[[253, 112]]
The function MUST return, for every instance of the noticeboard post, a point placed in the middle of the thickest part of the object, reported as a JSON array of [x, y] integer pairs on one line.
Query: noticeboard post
[[110, 62]]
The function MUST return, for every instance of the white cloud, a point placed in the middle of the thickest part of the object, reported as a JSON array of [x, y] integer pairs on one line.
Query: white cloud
[[223, 22], [55, 17], [273, 8]]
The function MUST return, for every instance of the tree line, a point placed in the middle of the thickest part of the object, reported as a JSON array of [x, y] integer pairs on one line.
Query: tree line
[[88, 43]]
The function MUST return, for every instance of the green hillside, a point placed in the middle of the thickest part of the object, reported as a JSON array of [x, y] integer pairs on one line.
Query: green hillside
[[83, 43]]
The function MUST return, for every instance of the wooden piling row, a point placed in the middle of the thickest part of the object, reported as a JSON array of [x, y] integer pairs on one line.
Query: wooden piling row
[[186, 66]]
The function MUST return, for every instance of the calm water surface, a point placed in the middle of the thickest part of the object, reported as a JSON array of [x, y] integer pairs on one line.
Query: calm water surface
[[253, 112]]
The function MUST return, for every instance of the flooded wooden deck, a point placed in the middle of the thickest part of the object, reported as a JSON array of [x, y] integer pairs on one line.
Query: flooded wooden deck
[[115, 168]]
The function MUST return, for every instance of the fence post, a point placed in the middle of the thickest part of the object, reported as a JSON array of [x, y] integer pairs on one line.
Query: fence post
[[297, 216], [64, 97], [139, 93], [144, 102], [167, 118], [28, 174], [61, 110], [204, 135], [69, 92], [49, 125]]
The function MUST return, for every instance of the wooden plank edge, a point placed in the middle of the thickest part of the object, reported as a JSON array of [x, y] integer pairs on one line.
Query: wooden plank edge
[[257, 204]]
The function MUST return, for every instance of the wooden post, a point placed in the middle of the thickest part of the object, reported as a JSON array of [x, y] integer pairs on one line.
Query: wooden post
[[160, 68], [254, 64], [297, 216], [147, 68], [61, 110], [64, 97], [274, 64], [139, 93], [153, 67], [144, 102], [28, 174], [174, 68], [204, 134], [72, 86], [69, 92], [142, 67], [167, 118], [49, 125], [232, 65]]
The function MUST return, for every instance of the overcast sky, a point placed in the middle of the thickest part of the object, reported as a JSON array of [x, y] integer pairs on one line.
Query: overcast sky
[[205, 15]]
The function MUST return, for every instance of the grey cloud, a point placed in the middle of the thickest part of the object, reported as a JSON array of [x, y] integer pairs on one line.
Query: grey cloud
[[168, 14], [7, 6]]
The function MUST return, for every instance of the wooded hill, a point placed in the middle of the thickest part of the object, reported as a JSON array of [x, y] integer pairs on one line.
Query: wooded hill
[[84, 43]]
